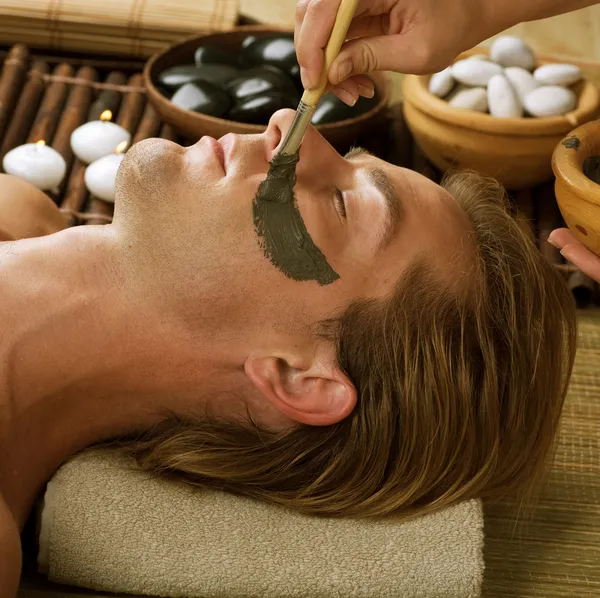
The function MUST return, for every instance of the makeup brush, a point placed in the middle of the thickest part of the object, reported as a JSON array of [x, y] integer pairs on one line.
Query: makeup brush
[[311, 98], [283, 235]]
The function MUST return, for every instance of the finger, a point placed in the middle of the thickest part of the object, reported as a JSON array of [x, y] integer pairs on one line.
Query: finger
[[299, 18], [366, 55], [369, 27], [366, 87], [561, 237], [317, 20], [584, 259], [350, 90]]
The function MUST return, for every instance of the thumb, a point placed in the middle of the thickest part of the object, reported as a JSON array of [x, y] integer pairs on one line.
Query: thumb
[[365, 55]]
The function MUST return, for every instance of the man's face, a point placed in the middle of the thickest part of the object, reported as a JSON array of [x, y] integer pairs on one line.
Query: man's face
[[187, 214]]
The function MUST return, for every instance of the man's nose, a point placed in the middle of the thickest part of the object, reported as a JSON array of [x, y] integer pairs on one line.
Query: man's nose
[[314, 148]]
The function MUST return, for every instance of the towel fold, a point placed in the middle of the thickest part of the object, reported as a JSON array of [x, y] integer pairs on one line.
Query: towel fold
[[107, 526]]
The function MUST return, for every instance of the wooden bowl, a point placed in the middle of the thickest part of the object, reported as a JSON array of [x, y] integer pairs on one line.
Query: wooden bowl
[[578, 196], [193, 125], [516, 151]]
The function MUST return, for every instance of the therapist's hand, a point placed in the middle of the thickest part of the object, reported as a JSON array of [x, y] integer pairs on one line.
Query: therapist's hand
[[575, 252], [406, 36]]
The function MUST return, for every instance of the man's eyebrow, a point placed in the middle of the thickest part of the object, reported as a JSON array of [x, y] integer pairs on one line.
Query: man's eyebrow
[[381, 181]]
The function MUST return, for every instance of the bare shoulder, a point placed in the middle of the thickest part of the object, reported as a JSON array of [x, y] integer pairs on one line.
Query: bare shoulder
[[10, 553]]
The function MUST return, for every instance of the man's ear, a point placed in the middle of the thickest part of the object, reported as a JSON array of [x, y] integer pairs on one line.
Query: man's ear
[[310, 390]]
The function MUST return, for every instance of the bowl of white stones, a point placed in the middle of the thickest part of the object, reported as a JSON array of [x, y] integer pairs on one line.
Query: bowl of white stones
[[500, 112]]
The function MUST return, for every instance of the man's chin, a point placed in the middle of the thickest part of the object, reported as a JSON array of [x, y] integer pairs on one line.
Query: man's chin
[[149, 163], [152, 150]]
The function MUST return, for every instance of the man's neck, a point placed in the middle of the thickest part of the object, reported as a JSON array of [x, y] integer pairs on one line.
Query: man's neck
[[82, 359]]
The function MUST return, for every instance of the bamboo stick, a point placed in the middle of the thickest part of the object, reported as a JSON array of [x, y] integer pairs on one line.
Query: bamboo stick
[[26, 109], [168, 132], [11, 83], [133, 106], [76, 191], [51, 108], [108, 99], [97, 63], [73, 116], [548, 217], [149, 125], [129, 118], [99, 211]]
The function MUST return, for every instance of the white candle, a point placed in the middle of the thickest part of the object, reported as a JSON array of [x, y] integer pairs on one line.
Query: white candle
[[98, 138], [36, 163], [100, 176]]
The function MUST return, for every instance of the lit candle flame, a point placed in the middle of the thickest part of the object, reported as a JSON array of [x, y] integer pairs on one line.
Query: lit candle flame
[[40, 143], [106, 116], [121, 147]]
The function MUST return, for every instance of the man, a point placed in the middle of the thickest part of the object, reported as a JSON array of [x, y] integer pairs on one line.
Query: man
[[432, 370]]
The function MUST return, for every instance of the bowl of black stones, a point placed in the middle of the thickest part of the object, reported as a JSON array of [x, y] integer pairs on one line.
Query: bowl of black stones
[[233, 82]]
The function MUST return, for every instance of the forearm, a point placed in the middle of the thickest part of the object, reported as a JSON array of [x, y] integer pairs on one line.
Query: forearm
[[502, 14]]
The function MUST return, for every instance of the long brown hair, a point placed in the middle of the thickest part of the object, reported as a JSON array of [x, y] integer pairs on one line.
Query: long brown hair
[[459, 393]]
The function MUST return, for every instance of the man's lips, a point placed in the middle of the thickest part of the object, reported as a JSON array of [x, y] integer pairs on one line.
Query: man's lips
[[217, 150], [227, 143]]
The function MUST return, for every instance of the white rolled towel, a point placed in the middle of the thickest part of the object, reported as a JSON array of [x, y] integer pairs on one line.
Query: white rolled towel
[[109, 527]]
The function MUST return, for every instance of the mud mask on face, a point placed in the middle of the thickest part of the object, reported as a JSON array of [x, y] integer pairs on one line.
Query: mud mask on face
[[281, 230]]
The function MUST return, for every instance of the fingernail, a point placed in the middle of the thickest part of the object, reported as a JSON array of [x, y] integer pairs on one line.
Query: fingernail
[[347, 97], [306, 80], [566, 254], [550, 240], [366, 90], [343, 71]]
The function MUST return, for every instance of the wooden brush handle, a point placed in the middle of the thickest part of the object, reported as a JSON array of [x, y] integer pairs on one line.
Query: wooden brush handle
[[334, 45]]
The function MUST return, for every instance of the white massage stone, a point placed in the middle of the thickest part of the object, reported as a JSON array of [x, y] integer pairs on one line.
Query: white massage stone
[[558, 74], [475, 72], [502, 98], [511, 51], [474, 98], [521, 80], [550, 100], [458, 88], [441, 83]]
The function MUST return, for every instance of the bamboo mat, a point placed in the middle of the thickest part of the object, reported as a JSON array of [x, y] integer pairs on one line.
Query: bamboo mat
[[555, 552], [126, 27]]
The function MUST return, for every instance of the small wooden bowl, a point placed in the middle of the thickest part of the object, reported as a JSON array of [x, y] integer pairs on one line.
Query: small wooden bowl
[[579, 197], [193, 125], [515, 151]]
